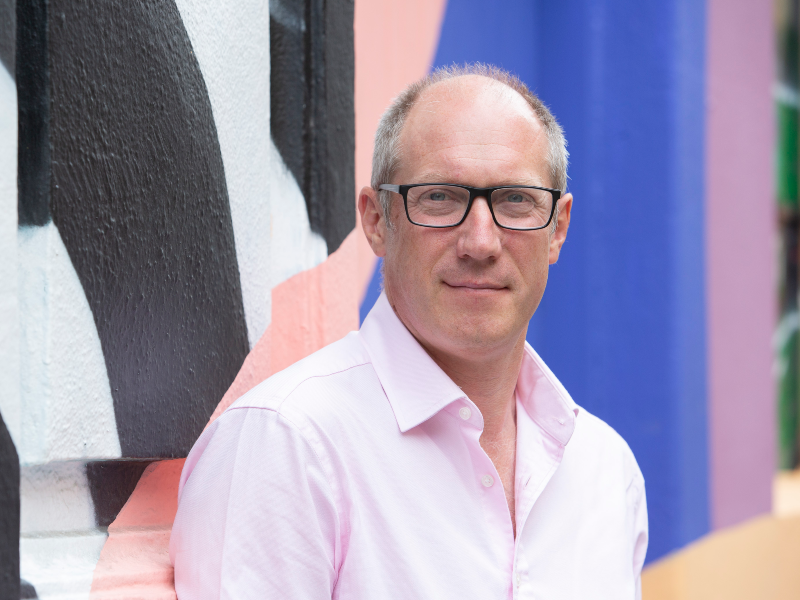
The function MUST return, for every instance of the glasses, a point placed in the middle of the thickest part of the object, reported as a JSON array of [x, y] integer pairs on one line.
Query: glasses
[[517, 207]]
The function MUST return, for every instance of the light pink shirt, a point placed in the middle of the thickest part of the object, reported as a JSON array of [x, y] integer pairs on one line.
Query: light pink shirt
[[357, 473]]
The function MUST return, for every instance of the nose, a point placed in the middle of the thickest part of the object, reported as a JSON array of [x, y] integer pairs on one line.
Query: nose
[[479, 236]]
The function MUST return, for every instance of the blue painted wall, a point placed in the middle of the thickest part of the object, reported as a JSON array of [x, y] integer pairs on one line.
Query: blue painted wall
[[372, 293], [622, 322]]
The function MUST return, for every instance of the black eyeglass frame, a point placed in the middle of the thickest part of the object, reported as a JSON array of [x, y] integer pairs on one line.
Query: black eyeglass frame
[[473, 193]]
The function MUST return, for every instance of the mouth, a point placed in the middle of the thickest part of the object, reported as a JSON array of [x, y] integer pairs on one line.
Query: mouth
[[475, 286]]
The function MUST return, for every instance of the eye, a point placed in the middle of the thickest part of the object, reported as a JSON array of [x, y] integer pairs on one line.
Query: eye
[[437, 196], [516, 198]]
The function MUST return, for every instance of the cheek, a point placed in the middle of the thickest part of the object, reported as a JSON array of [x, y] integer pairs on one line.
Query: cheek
[[401, 266], [533, 261], [413, 256]]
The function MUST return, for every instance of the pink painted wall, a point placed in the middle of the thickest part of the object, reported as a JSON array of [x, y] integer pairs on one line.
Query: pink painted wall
[[134, 562], [741, 238]]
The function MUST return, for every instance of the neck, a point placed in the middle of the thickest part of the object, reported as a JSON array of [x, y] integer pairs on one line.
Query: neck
[[488, 376], [490, 383], [489, 380]]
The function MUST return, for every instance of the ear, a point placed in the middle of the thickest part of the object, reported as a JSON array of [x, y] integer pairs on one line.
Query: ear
[[558, 237], [372, 220]]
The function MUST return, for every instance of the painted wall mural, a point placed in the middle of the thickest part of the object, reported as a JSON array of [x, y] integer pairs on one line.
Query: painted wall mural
[[177, 223], [156, 226], [9, 332], [138, 195], [311, 103]]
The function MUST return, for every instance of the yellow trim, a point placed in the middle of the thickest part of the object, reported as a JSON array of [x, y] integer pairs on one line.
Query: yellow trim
[[757, 560]]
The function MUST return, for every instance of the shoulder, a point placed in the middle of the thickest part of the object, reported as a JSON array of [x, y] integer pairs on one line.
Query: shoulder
[[312, 384], [284, 411], [597, 444], [329, 367]]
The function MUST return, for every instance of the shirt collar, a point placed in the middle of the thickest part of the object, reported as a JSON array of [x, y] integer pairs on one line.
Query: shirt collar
[[544, 398], [417, 388]]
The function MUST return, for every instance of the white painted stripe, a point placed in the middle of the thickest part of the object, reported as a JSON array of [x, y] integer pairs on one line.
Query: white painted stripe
[[66, 404], [59, 542], [231, 42], [9, 319], [270, 221], [295, 247]]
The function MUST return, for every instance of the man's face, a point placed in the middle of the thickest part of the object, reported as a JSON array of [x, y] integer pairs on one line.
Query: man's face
[[469, 290]]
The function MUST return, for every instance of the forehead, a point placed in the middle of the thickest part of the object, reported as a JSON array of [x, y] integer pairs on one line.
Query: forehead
[[472, 124]]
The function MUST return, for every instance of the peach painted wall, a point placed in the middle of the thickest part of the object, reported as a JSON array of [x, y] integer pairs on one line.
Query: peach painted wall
[[385, 64], [741, 242]]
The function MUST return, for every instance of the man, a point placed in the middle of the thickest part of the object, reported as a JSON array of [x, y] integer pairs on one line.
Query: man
[[432, 454]]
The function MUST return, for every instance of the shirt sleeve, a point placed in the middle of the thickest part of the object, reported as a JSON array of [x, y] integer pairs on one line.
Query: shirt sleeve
[[638, 509], [256, 515]]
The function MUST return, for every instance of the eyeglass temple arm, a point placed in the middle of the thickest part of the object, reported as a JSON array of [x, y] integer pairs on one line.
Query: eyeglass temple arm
[[389, 187]]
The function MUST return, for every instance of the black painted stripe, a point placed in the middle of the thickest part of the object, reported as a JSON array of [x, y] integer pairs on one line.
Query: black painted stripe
[[139, 197], [7, 34], [26, 591], [33, 106], [9, 515], [340, 147], [287, 82], [312, 107], [111, 483]]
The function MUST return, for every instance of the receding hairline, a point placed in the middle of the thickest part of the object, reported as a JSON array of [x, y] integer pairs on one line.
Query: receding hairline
[[485, 84], [484, 81]]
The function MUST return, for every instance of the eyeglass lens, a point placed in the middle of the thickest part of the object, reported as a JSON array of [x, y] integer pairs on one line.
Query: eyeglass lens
[[443, 206]]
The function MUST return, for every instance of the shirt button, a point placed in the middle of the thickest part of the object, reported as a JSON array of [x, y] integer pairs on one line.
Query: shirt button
[[487, 480], [516, 579], [465, 413]]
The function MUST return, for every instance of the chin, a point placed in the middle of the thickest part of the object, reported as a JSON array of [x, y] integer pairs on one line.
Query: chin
[[486, 314], [479, 330]]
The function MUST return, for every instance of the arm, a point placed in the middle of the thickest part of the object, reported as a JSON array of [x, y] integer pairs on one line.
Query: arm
[[638, 508], [256, 516]]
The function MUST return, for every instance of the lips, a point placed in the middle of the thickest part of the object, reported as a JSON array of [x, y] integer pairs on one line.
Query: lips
[[475, 285]]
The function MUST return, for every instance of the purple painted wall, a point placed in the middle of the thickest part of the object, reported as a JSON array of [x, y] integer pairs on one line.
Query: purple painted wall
[[740, 254]]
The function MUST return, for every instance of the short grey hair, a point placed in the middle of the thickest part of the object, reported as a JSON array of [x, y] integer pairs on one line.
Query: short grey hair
[[386, 155]]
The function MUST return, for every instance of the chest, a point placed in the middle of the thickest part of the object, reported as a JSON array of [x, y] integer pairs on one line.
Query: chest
[[502, 452], [421, 521]]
